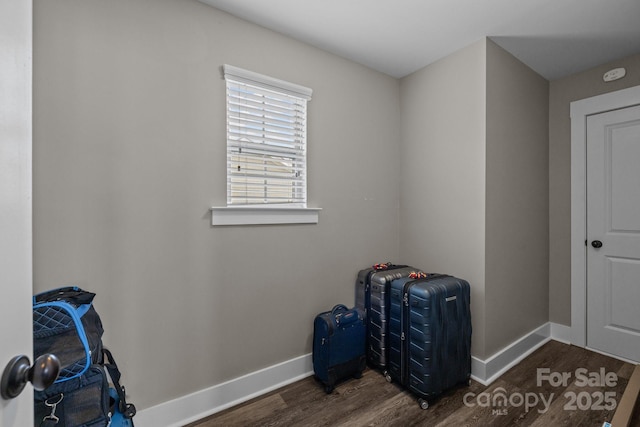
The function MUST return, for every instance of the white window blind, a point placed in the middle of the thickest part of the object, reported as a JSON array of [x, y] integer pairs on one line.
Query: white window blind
[[266, 140]]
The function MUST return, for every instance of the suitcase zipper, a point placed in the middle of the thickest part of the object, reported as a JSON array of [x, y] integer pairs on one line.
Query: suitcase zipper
[[404, 342]]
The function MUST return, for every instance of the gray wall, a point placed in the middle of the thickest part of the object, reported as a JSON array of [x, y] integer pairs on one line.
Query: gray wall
[[129, 154], [561, 93], [474, 185], [517, 203], [442, 225]]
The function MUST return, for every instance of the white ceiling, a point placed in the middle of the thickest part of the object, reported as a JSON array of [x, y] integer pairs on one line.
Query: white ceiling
[[556, 38]]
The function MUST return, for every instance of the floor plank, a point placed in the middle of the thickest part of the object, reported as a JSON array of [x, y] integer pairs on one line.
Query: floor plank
[[372, 401], [252, 413]]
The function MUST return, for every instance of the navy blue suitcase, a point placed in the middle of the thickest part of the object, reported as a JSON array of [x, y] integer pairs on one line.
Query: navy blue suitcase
[[372, 298], [430, 334], [338, 345]]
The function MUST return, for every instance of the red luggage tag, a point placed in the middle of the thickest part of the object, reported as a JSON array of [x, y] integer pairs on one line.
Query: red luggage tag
[[417, 275], [382, 266]]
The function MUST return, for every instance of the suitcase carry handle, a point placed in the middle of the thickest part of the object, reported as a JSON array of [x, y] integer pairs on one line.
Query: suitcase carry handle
[[337, 307], [386, 266], [343, 315]]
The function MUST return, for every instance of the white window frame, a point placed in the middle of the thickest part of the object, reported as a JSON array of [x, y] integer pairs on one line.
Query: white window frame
[[292, 212]]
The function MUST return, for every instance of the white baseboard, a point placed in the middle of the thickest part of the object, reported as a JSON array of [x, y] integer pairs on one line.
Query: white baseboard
[[487, 371], [561, 333], [192, 407]]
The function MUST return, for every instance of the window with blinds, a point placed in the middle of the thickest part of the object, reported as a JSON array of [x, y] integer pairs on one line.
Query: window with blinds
[[266, 140]]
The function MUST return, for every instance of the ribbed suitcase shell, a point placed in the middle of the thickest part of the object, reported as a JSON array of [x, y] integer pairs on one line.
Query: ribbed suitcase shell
[[372, 298], [430, 334]]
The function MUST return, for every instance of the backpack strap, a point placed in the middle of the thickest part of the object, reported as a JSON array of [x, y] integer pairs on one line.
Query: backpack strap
[[128, 410]]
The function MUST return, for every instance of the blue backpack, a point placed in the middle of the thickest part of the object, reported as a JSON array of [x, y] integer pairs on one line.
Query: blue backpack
[[87, 391]]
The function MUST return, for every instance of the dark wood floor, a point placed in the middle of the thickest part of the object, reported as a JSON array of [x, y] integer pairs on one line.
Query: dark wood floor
[[371, 401]]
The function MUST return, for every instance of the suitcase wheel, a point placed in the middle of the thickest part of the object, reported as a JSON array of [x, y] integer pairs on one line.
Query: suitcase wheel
[[423, 404], [328, 389], [357, 375], [387, 376]]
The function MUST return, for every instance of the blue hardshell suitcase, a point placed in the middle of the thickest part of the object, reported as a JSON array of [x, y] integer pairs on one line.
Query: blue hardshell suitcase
[[372, 298], [338, 345], [430, 334]]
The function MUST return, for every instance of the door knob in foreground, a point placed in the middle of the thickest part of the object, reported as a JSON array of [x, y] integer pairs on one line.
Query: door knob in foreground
[[596, 244], [42, 374]]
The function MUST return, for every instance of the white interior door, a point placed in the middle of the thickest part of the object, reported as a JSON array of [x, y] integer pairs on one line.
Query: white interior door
[[613, 218], [15, 200]]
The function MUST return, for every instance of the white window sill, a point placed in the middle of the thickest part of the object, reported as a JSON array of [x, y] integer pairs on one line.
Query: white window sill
[[262, 215]]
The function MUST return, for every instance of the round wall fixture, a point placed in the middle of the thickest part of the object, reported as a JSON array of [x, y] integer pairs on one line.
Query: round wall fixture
[[615, 74]]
